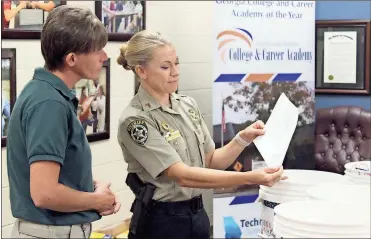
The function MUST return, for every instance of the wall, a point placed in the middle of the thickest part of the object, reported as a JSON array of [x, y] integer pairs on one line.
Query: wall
[[187, 24], [343, 10]]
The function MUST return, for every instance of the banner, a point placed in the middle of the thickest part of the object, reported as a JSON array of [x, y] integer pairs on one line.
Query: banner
[[263, 49], [237, 217], [260, 50]]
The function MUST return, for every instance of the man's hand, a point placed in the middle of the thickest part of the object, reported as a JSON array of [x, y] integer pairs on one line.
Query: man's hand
[[254, 130], [115, 206], [106, 198]]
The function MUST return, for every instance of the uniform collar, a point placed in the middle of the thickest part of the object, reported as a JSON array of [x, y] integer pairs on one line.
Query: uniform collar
[[149, 103], [174, 96], [174, 99], [44, 75]]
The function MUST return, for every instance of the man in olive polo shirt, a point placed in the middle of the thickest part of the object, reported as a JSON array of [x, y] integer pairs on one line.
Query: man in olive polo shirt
[[52, 192]]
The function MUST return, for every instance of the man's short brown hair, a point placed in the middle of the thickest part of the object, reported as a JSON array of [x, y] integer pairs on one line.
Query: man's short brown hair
[[70, 29]]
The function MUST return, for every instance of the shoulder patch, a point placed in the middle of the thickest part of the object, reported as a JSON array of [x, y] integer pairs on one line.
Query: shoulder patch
[[138, 131]]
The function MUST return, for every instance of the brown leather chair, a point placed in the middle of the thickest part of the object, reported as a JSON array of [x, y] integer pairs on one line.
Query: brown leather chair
[[343, 135]]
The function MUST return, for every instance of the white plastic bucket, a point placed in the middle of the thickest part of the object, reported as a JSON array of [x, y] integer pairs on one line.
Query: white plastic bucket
[[359, 166], [292, 189], [358, 172], [322, 219], [302, 232], [343, 193]]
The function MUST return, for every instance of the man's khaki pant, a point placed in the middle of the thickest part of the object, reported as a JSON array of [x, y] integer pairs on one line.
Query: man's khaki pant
[[25, 229]]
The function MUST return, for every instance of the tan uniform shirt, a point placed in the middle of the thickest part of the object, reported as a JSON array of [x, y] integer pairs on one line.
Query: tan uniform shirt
[[153, 137]]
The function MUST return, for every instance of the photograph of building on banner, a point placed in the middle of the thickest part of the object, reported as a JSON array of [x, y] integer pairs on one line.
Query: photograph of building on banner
[[236, 105]]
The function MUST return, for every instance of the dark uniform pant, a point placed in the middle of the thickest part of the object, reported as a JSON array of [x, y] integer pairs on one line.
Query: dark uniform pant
[[176, 220]]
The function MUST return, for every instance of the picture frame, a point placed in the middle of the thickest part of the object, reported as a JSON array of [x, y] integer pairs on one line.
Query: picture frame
[[23, 20], [355, 77], [123, 20], [8, 88], [94, 105]]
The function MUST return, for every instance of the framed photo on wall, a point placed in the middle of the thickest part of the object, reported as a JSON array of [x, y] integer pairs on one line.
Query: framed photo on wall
[[121, 18], [8, 88], [94, 105], [25, 19], [343, 57]]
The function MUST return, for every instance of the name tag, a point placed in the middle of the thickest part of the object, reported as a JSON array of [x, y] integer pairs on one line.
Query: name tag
[[172, 135]]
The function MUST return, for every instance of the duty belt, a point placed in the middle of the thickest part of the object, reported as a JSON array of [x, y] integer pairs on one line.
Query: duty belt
[[193, 205]]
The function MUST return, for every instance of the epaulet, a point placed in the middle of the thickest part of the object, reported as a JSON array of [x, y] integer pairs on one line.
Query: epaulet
[[134, 108], [136, 105]]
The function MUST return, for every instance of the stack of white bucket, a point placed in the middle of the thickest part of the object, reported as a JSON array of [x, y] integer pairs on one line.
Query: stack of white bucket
[[332, 207], [358, 172], [292, 189], [321, 219]]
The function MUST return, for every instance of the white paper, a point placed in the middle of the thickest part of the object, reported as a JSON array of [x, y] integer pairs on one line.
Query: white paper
[[258, 164], [279, 130], [340, 57]]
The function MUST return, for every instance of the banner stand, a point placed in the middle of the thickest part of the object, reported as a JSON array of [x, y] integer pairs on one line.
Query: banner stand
[[261, 49]]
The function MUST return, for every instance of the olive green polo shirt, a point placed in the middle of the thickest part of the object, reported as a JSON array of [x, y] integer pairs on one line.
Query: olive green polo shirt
[[153, 137], [44, 126]]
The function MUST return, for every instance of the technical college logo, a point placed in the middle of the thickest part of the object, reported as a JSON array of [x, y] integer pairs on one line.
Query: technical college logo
[[226, 37]]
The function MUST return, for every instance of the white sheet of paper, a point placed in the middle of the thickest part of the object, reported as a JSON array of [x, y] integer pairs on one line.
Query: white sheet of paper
[[279, 130], [340, 57]]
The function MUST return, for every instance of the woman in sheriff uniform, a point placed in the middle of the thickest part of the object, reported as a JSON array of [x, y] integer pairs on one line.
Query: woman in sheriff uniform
[[165, 141]]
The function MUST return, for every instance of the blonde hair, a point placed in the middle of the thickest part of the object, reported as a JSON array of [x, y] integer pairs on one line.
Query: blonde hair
[[139, 49]]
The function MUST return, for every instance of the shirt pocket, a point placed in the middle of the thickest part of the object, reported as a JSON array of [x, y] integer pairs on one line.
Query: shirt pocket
[[180, 146]]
